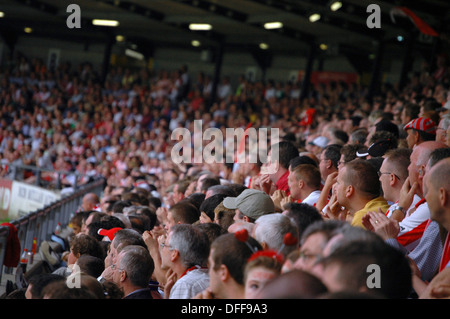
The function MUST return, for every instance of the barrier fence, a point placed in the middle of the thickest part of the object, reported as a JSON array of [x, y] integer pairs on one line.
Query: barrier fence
[[40, 224]]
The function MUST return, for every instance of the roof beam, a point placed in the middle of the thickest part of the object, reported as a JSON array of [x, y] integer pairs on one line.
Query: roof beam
[[41, 6], [241, 17], [305, 8], [159, 17]]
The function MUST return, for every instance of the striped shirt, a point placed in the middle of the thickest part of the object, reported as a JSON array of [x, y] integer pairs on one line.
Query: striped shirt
[[428, 252]]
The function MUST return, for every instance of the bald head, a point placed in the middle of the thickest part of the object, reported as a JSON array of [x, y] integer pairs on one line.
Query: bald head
[[440, 174], [437, 192], [419, 158], [89, 201], [423, 151]]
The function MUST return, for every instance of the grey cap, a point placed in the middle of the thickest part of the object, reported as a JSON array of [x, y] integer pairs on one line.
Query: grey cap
[[252, 203]]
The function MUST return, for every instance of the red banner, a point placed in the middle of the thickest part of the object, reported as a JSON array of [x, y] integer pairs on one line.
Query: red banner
[[325, 77]]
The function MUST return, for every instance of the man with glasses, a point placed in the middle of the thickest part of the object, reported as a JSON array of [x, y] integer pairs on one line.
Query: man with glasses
[[393, 173], [441, 130], [416, 216], [184, 253], [427, 254]]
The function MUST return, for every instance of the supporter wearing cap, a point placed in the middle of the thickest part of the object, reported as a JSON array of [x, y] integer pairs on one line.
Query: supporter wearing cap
[[378, 149], [420, 130], [250, 205], [318, 144], [109, 233], [444, 109]]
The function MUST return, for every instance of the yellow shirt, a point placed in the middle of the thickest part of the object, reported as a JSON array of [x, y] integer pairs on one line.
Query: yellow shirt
[[371, 206]]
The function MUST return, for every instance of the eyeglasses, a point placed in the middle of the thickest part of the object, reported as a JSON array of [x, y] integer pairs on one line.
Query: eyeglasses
[[306, 256], [114, 267], [382, 173], [162, 245]]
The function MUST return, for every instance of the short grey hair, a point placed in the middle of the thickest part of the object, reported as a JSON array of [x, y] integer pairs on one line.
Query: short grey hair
[[138, 264], [272, 228], [192, 244], [126, 237]]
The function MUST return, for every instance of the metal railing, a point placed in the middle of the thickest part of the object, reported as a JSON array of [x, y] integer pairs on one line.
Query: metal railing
[[16, 172], [41, 223]]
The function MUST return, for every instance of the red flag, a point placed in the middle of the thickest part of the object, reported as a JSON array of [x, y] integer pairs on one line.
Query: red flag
[[420, 24]]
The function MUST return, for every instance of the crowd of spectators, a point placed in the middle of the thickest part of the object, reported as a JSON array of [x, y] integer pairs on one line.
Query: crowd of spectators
[[350, 188]]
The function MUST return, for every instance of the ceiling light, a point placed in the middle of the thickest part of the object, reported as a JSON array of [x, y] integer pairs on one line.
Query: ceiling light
[[323, 46], [273, 25], [27, 30], [2, 14], [195, 43], [314, 17], [120, 38], [336, 5], [105, 23], [263, 46], [200, 26], [134, 54]]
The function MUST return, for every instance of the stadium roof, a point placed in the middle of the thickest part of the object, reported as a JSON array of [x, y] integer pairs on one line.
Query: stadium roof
[[236, 24]]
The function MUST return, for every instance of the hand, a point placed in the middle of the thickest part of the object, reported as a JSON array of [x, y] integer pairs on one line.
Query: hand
[[439, 286], [277, 197], [158, 231], [334, 209], [205, 294], [108, 273], [256, 182], [161, 213], [440, 292], [286, 200], [407, 193], [265, 183], [330, 181], [171, 279], [379, 223], [151, 240]]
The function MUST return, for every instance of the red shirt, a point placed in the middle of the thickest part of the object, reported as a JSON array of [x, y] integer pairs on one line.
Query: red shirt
[[282, 183], [446, 254]]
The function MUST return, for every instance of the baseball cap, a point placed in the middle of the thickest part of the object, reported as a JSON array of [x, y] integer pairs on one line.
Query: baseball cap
[[320, 141], [445, 107], [377, 149], [251, 202], [422, 124]]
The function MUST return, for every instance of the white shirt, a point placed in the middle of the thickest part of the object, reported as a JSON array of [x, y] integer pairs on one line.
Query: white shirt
[[416, 218], [312, 198], [413, 226], [416, 199]]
